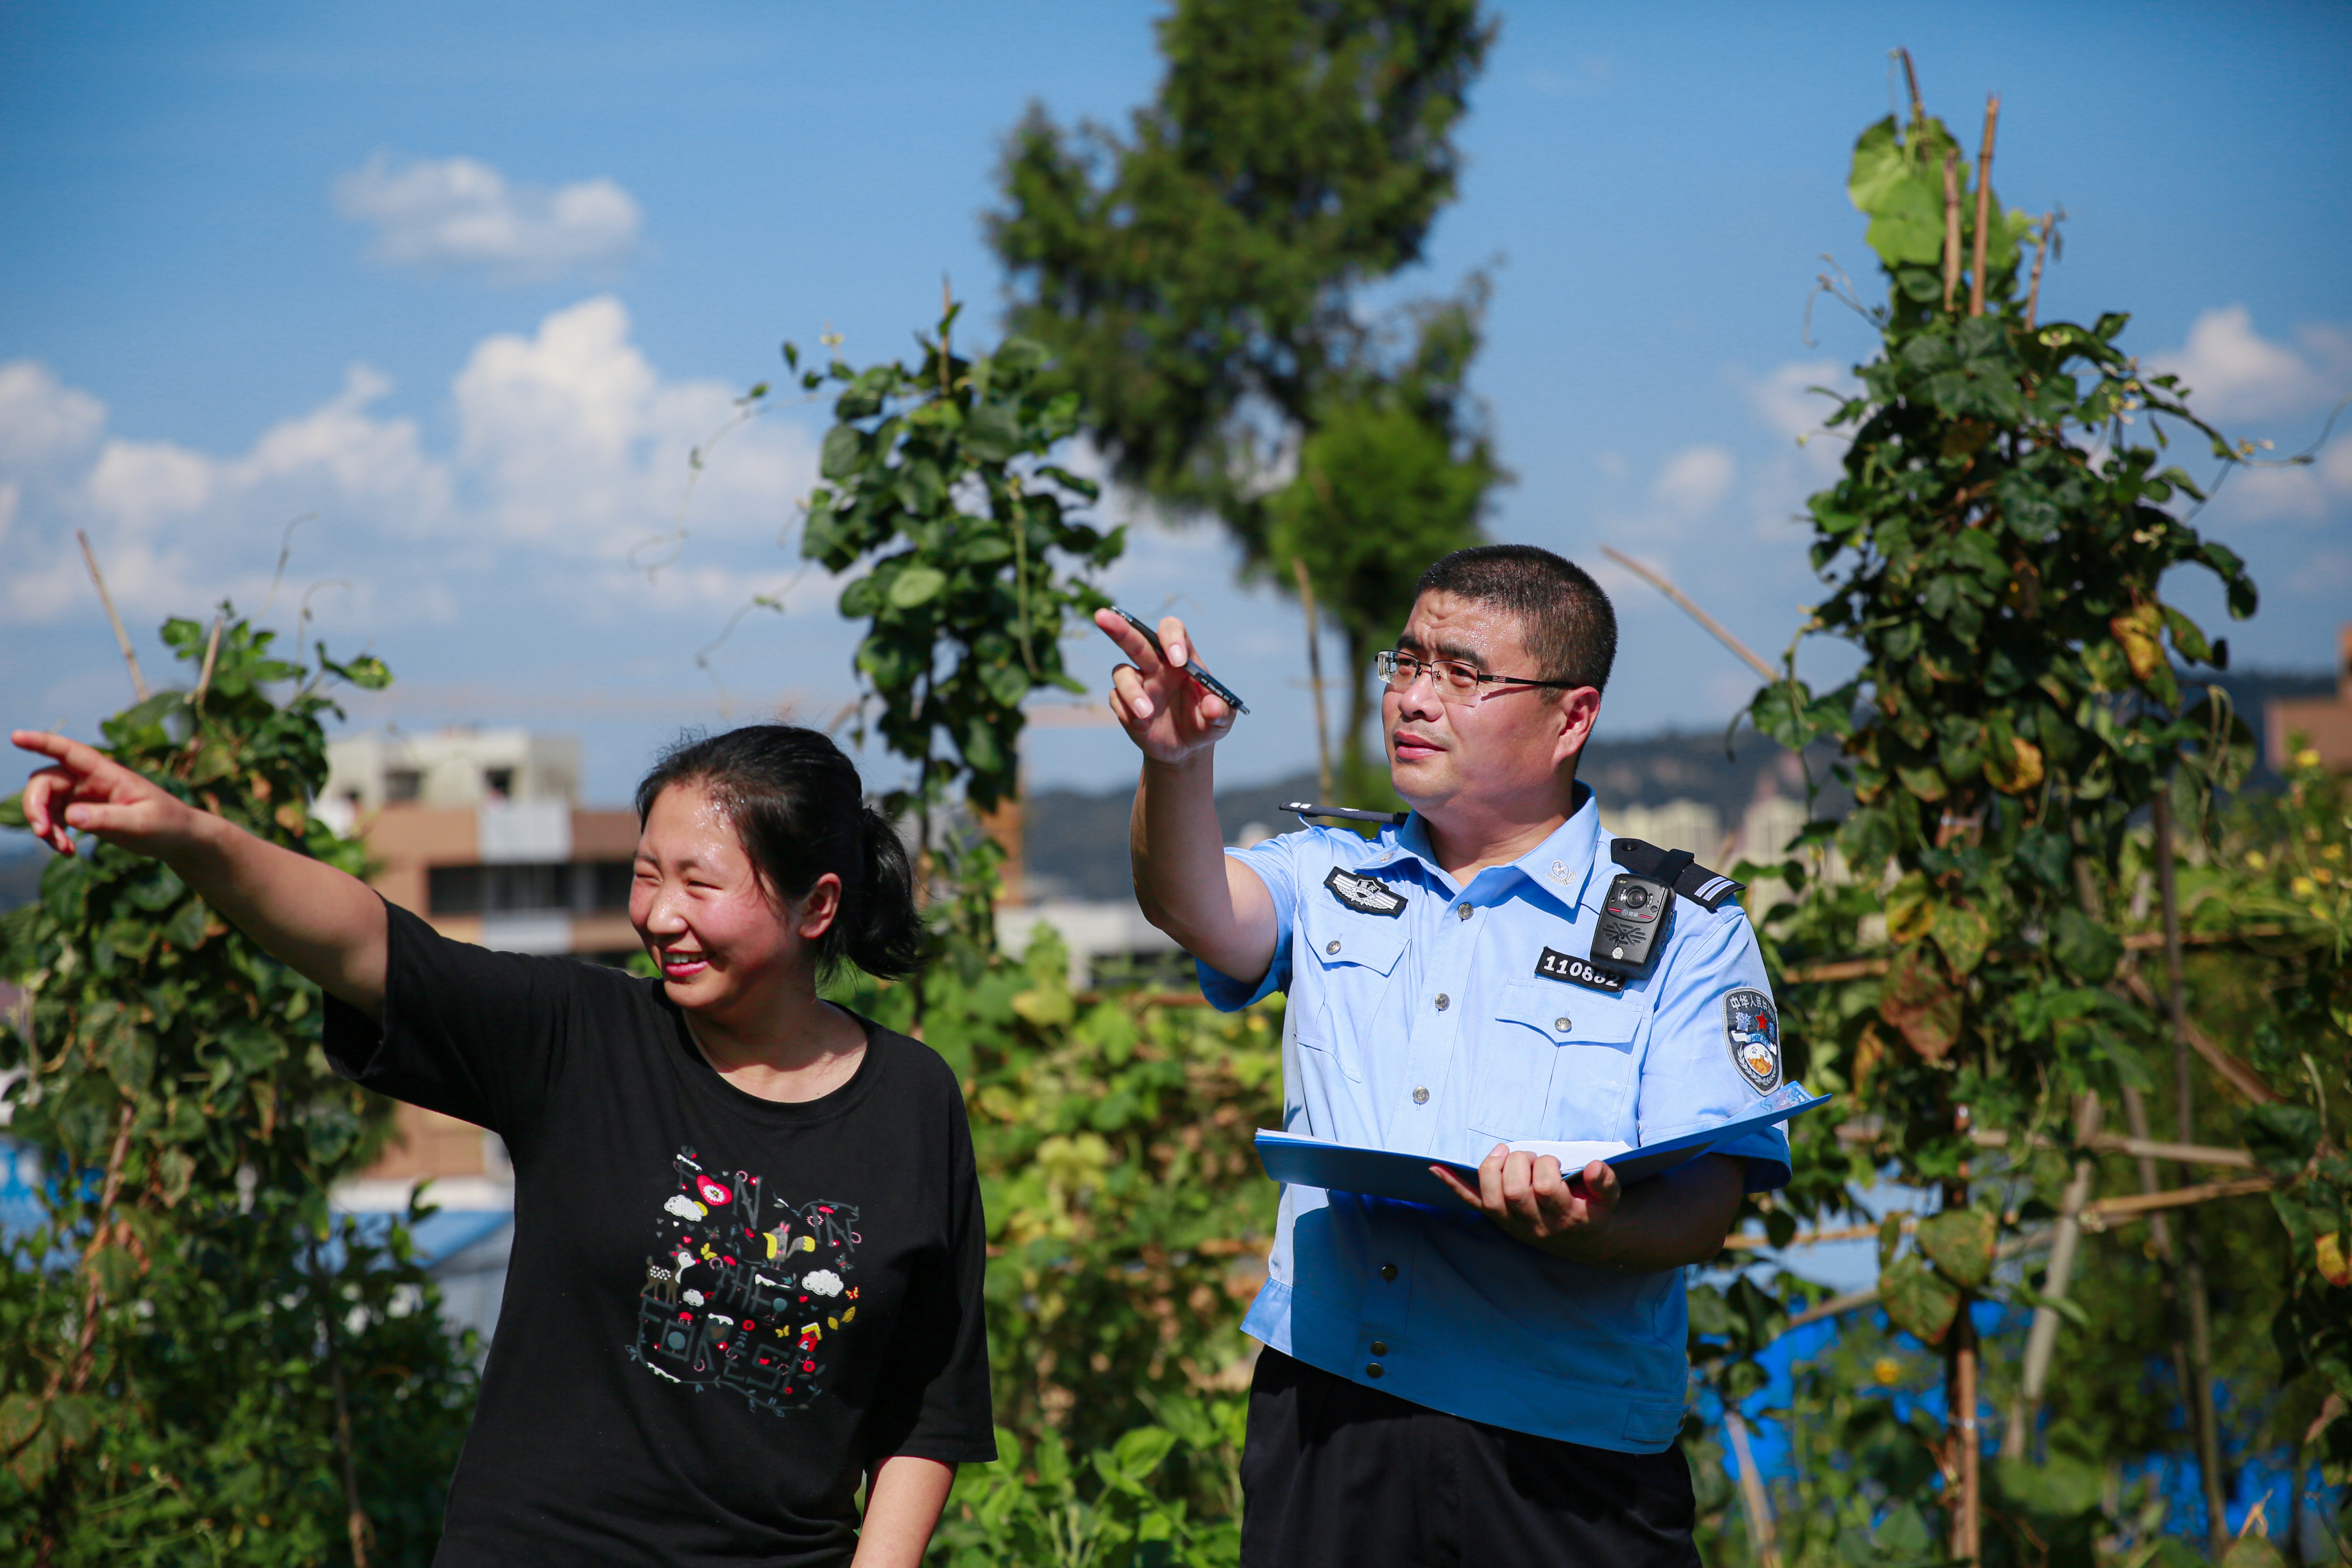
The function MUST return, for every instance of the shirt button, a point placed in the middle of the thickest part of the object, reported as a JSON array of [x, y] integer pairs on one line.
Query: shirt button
[[1461, 911], [1443, 1001], [1387, 1271], [1421, 1097], [1380, 1347], [1562, 1025], [1372, 1371], [1332, 946]]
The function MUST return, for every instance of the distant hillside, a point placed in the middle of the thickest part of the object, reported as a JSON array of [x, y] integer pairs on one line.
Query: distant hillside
[[1076, 840]]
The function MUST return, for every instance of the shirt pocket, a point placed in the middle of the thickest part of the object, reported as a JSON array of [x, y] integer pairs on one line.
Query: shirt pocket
[[1348, 961], [1554, 1061]]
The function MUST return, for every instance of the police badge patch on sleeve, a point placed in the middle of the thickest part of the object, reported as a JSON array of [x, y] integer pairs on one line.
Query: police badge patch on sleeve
[[1365, 895], [1752, 1028]]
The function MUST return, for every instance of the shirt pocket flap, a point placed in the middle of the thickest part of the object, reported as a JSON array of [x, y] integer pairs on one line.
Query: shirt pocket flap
[[1365, 941], [1570, 1015]]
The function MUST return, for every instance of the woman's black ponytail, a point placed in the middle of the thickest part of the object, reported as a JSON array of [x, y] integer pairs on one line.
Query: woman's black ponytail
[[888, 937], [800, 810]]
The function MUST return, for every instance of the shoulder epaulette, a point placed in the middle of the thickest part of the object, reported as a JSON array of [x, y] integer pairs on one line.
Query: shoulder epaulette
[[1709, 889]]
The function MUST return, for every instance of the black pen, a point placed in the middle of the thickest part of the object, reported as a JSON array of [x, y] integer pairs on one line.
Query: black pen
[[1191, 667]]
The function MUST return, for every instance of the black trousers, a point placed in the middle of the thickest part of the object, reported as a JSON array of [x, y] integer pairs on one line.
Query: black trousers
[[1335, 1473]]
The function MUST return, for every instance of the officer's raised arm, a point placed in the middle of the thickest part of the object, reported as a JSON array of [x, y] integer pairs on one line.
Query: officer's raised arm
[[1214, 906]]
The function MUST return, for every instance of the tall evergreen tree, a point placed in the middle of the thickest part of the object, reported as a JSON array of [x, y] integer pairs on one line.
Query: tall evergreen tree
[[1197, 280]]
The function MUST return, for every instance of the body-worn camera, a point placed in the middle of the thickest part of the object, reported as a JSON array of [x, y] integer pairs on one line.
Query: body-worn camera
[[1632, 930], [1633, 925]]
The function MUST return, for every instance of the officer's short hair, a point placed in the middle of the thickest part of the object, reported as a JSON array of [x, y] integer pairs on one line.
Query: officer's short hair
[[1564, 618]]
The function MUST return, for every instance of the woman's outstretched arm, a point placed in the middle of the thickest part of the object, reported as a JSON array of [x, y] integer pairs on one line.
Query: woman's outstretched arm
[[323, 924]]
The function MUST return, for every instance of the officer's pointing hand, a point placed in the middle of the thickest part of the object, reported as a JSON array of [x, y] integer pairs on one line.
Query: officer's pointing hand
[[1529, 1197], [1167, 713]]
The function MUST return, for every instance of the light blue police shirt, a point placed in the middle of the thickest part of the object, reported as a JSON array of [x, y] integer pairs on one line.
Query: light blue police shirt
[[1431, 1027]]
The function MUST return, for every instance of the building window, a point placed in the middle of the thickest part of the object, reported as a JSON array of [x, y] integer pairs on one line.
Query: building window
[[402, 784], [498, 782]]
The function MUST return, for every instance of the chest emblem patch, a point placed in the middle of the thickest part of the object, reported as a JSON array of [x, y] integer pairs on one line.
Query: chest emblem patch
[[1556, 965], [1365, 895], [743, 1291], [1751, 1026]]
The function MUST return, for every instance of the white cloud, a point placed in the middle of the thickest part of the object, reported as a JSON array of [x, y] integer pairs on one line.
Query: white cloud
[[1784, 399], [570, 450], [461, 211], [2237, 378], [2233, 373], [40, 419], [1695, 480]]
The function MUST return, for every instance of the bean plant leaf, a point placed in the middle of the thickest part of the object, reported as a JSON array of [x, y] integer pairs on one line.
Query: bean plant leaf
[[176, 1070], [1917, 1299], [1959, 1242]]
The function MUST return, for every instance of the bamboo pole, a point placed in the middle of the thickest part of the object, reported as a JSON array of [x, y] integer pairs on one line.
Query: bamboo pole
[[2042, 1339], [1315, 678], [1967, 1530], [2194, 1300], [1984, 207], [356, 1524], [2041, 251], [1760, 1535], [94, 1293], [2133, 1205], [1952, 227], [122, 638], [1961, 1458], [1692, 610], [2095, 1215], [211, 656]]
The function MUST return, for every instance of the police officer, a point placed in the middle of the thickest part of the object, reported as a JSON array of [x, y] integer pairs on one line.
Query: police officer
[[1502, 1384]]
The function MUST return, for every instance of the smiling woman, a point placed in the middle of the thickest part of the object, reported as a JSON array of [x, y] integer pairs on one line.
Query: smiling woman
[[724, 1185]]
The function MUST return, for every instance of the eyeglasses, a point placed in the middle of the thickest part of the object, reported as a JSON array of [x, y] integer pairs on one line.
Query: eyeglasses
[[1453, 678]]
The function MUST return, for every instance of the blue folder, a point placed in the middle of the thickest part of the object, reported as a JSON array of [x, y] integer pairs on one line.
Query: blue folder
[[1385, 1174]]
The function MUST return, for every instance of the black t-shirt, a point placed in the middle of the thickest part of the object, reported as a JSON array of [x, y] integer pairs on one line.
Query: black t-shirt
[[719, 1309]]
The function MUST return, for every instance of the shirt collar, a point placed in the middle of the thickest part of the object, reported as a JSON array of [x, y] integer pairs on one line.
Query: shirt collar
[[1561, 865]]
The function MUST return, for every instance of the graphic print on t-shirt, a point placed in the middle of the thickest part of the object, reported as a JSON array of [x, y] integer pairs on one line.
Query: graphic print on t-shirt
[[743, 1290]]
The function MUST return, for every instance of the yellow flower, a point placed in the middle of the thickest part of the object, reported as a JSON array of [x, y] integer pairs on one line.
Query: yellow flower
[[2303, 887], [2307, 758], [1886, 1370], [2256, 861]]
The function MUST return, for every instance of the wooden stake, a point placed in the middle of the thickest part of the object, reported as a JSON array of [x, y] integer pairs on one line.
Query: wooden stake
[[1952, 227], [947, 307], [1984, 208], [2205, 1418], [1751, 1492], [1315, 678], [1961, 1458], [212, 654], [1701, 616], [98, 579], [94, 1295], [355, 1520], [2041, 250], [1967, 1532], [2042, 1339]]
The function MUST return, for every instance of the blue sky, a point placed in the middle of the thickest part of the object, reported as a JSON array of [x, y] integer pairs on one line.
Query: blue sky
[[465, 282]]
